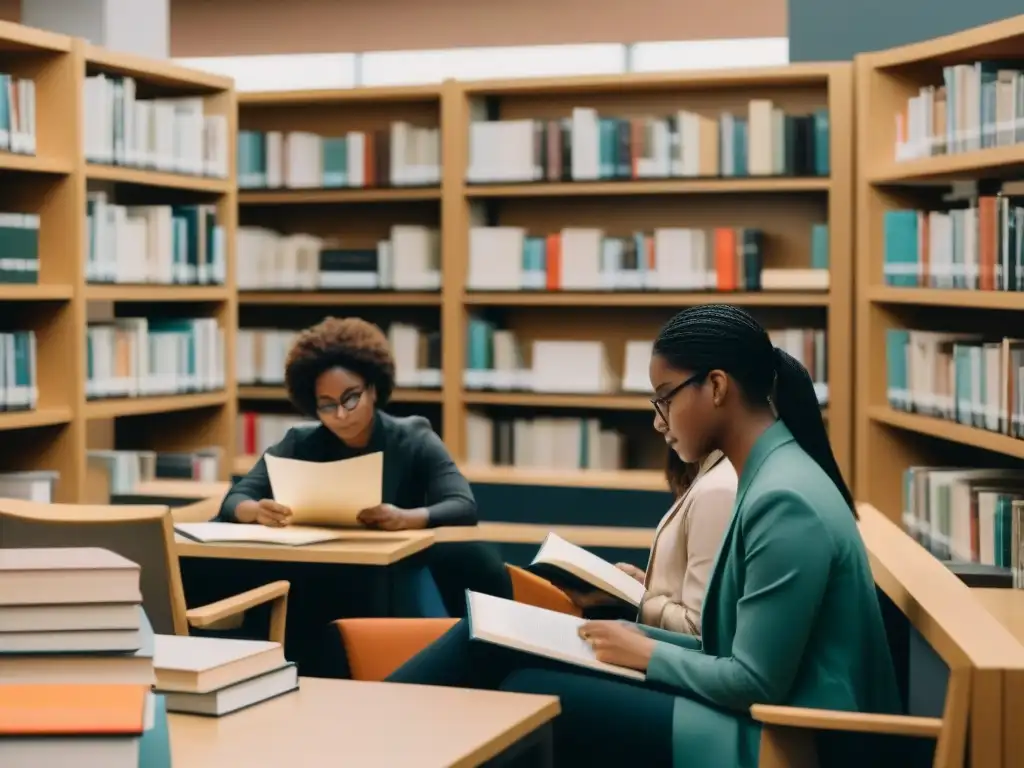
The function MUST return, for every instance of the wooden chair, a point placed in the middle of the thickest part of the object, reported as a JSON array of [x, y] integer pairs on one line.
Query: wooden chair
[[933, 621], [144, 535]]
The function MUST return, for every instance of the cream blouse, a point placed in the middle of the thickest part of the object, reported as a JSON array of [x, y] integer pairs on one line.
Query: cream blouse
[[685, 546]]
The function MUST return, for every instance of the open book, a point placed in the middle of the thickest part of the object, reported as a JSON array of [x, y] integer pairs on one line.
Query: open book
[[572, 567], [539, 631], [330, 493], [233, 533]]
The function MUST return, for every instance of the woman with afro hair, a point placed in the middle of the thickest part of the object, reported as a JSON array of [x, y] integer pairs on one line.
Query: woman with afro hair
[[341, 373]]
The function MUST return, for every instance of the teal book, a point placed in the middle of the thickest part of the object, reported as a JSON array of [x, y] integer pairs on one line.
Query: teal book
[[155, 745]]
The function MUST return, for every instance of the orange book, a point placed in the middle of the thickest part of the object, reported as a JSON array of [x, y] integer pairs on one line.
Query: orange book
[[725, 258], [988, 224], [554, 262], [60, 710]]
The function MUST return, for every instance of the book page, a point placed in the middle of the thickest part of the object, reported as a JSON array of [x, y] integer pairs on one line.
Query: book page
[[535, 630], [594, 570], [292, 536], [330, 493]]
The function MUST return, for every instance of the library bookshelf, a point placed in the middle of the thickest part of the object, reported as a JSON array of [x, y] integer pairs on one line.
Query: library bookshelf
[[928, 408], [54, 184], [784, 206]]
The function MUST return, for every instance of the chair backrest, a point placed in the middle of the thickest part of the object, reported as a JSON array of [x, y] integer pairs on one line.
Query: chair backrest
[[531, 589], [143, 534], [946, 630]]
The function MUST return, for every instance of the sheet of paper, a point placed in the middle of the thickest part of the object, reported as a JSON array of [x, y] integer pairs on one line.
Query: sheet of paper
[[535, 630], [221, 533], [557, 550], [328, 493]]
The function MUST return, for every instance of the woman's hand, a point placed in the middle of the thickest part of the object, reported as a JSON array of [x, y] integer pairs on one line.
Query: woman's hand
[[619, 643], [594, 598], [631, 570], [272, 514], [388, 517]]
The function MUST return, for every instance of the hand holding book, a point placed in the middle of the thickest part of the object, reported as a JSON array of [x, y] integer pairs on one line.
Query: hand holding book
[[618, 643]]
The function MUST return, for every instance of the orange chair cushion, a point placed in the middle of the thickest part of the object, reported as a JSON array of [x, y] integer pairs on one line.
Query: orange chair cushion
[[377, 647], [531, 589]]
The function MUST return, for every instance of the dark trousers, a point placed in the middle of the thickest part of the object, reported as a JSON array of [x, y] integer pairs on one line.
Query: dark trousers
[[460, 565], [604, 720]]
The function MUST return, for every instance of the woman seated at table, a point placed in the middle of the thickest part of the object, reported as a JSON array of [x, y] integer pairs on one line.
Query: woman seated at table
[[341, 373], [790, 616], [685, 544]]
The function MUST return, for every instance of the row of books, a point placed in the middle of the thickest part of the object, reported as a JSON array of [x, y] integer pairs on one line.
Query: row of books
[[968, 515], [549, 443], [261, 354], [258, 431], [17, 115], [126, 469], [495, 359], [668, 259], [138, 356], [34, 485], [19, 384], [162, 244], [408, 260], [760, 141], [977, 106], [959, 377], [401, 155], [976, 247], [166, 134], [19, 247]]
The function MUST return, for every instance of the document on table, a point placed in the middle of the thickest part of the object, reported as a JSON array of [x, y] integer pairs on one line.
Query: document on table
[[329, 493], [233, 533], [526, 628]]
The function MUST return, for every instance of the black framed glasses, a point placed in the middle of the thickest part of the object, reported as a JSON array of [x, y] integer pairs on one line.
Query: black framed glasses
[[348, 403], [661, 404]]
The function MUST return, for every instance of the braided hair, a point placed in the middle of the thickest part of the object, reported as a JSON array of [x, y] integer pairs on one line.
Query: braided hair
[[726, 338]]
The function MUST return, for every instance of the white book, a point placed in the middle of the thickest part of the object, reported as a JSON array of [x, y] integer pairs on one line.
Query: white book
[[233, 533], [236, 696], [567, 565], [202, 664], [526, 628]]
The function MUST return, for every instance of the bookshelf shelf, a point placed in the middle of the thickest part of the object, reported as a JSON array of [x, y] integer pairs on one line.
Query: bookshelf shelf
[[400, 395], [10, 161], [14, 38], [645, 299], [40, 417], [551, 400], [140, 406], [331, 196], [157, 293], [40, 292], [162, 179], [340, 299], [922, 345], [660, 187]]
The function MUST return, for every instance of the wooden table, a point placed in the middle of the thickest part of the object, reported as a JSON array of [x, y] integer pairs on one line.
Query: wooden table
[[366, 725], [1007, 605]]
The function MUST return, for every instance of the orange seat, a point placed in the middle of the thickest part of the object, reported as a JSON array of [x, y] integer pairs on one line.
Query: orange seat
[[377, 647]]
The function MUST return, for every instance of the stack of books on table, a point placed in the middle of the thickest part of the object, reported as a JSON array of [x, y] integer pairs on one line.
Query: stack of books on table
[[216, 676], [76, 663]]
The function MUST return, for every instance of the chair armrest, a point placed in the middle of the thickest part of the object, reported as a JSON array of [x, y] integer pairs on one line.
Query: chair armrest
[[377, 647], [859, 722], [275, 593]]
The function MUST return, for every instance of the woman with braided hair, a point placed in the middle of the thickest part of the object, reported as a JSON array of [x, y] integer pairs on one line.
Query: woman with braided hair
[[790, 615]]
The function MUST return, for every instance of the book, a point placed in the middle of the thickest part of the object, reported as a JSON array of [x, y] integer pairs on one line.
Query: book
[[329, 493], [536, 631], [202, 664], [74, 616], [236, 696], [59, 576], [571, 567], [223, 533]]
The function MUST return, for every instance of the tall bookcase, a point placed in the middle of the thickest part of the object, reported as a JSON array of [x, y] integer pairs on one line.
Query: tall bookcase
[[783, 206], [54, 184], [912, 275]]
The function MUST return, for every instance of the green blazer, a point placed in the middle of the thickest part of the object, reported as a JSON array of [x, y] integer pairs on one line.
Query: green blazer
[[790, 615]]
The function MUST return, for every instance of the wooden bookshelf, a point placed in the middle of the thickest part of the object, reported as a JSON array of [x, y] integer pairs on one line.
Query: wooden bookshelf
[[354, 217], [782, 206], [889, 440], [53, 183]]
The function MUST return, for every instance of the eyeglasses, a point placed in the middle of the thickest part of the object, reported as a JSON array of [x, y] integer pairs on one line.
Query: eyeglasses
[[348, 403], [661, 404]]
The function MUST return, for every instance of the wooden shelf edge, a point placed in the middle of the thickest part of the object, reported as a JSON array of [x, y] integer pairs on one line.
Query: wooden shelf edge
[[650, 187], [933, 297], [609, 402], [140, 406], [947, 430], [150, 178], [41, 417], [352, 195], [526, 298], [12, 161], [35, 292], [530, 533], [959, 165], [154, 71], [427, 92], [158, 293], [34, 39], [340, 298], [400, 395]]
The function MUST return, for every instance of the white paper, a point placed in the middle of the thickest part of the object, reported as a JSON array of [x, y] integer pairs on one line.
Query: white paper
[[331, 493]]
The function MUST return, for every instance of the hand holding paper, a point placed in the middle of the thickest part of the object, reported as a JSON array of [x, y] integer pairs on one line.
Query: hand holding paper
[[331, 493], [388, 517]]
